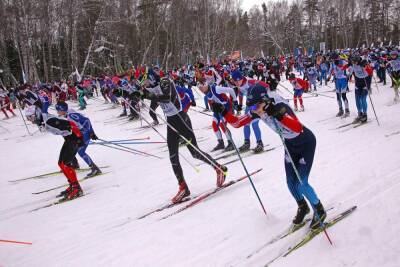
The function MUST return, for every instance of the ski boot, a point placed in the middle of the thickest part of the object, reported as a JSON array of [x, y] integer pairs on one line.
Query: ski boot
[[301, 108], [246, 146], [219, 146], [346, 113], [65, 192], [296, 109], [319, 216], [340, 113], [364, 118], [358, 119], [155, 123], [123, 114], [221, 175], [182, 193], [302, 211], [95, 171], [75, 192], [259, 148], [229, 146]]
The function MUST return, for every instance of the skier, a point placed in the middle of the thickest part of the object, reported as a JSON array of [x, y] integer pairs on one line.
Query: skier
[[243, 84], [167, 97], [227, 97], [72, 142], [312, 76], [323, 69], [299, 86], [395, 73], [152, 80], [85, 127], [338, 70], [5, 104], [363, 76], [299, 140]]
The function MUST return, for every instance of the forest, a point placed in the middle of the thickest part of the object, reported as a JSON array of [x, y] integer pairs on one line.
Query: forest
[[47, 40]]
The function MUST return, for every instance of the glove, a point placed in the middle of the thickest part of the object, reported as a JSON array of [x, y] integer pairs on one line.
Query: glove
[[235, 105], [79, 141], [218, 108], [254, 115], [138, 94], [273, 111], [193, 103], [239, 107], [93, 136]]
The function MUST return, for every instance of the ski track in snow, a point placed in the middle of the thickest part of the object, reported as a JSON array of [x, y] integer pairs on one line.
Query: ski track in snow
[[355, 167]]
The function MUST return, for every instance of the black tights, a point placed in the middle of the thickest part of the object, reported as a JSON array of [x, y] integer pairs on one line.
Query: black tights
[[181, 122]]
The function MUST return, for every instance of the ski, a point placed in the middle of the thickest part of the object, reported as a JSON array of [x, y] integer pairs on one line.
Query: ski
[[145, 127], [40, 176], [282, 235], [327, 119], [233, 153], [313, 233], [60, 201], [64, 185], [248, 155], [293, 228], [391, 134], [211, 192], [354, 126], [166, 206], [343, 125]]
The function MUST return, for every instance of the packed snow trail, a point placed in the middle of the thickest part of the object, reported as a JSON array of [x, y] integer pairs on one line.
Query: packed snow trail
[[359, 166]]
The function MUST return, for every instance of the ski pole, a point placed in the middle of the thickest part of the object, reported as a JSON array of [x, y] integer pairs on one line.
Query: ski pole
[[376, 84], [370, 100], [125, 150], [22, 116], [201, 112], [127, 143], [164, 138], [131, 139], [134, 150], [244, 167], [284, 87], [279, 129], [15, 242], [188, 142], [373, 108]]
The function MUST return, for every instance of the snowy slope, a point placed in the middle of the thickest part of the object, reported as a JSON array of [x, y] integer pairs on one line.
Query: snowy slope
[[355, 167]]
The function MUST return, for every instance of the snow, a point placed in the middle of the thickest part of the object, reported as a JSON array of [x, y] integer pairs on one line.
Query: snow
[[355, 167]]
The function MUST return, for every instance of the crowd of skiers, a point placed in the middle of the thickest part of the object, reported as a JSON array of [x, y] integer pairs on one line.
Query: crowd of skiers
[[224, 86]]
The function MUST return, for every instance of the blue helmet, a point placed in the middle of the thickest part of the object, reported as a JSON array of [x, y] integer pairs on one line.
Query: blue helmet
[[236, 75], [256, 94], [62, 106]]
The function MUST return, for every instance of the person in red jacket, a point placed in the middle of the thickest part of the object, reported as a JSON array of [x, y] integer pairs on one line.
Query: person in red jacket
[[6, 105], [299, 86]]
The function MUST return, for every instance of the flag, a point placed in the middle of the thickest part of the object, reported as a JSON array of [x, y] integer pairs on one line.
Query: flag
[[262, 54], [208, 60], [235, 55]]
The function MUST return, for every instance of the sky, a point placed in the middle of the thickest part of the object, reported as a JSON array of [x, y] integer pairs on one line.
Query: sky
[[247, 4]]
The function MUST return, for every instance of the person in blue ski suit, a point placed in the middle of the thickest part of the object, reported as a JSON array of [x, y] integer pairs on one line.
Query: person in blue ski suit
[[298, 139], [85, 127], [363, 76], [243, 85], [312, 76]]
